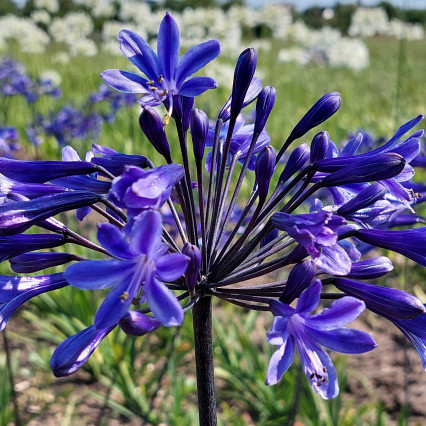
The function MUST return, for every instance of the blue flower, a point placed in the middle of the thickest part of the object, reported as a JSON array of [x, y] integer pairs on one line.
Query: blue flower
[[296, 327], [317, 233], [167, 74], [141, 264]]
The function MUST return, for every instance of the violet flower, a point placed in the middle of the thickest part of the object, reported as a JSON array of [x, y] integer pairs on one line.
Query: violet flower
[[141, 262], [167, 75], [308, 332]]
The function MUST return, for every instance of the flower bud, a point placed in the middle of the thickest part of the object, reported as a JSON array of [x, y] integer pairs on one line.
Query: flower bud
[[367, 269], [264, 169], [365, 198], [244, 71], [319, 146], [152, 125], [137, 324], [299, 279], [270, 236], [378, 167], [382, 300], [252, 93], [182, 108], [296, 161], [323, 109], [199, 130], [36, 261], [264, 105], [193, 269]]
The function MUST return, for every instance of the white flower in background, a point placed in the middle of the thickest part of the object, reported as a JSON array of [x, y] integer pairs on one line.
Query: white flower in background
[[40, 17], [30, 38], [98, 8], [367, 22], [83, 47], [73, 26], [51, 6], [61, 57], [51, 75], [294, 54], [261, 44], [350, 53]]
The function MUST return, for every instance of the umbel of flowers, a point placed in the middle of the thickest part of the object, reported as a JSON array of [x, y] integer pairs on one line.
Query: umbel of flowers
[[174, 236]]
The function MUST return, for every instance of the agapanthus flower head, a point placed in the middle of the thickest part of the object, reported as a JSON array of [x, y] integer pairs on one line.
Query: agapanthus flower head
[[172, 238]]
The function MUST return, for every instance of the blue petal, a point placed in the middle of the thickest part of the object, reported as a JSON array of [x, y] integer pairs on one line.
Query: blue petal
[[124, 81], [8, 308], [114, 240], [168, 47], [73, 352], [280, 362], [340, 313], [171, 266], [344, 340], [279, 333], [139, 52], [117, 302], [163, 303], [137, 324], [334, 260], [146, 232], [196, 86], [309, 298], [196, 58], [96, 274], [318, 366]]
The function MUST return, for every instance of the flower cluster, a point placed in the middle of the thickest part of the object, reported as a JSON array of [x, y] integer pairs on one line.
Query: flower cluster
[[157, 268]]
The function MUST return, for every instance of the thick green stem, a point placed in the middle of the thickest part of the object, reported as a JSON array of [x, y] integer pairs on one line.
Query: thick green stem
[[202, 323]]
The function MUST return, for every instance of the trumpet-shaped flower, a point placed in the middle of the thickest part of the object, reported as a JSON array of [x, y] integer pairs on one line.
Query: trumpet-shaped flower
[[296, 327], [166, 73], [141, 265]]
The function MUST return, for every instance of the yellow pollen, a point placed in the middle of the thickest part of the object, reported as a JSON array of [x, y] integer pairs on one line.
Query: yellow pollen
[[125, 295]]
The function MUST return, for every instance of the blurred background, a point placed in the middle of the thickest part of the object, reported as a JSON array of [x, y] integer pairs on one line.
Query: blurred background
[[51, 95]]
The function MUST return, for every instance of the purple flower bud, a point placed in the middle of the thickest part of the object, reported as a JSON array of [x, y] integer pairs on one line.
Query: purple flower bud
[[296, 161], [323, 109], [73, 352], [319, 146], [115, 163], [193, 270], [14, 291], [182, 108], [382, 300], [264, 105], [33, 262], [19, 216], [264, 169], [408, 242], [379, 167], [299, 279], [269, 237], [199, 131], [252, 93], [152, 125], [137, 324], [244, 71], [365, 198], [43, 171], [374, 267]]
